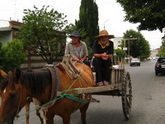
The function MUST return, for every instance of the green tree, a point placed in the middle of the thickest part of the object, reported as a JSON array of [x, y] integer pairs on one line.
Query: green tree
[[119, 53], [149, 13], [12, 55], [43, 32], [146, 52], [88, 21], [1, 56], [136, 44], [162, 49]]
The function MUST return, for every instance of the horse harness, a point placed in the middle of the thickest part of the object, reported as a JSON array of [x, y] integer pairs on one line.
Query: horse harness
[[72, 72]]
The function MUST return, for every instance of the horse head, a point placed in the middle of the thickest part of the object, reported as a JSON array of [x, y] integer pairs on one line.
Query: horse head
[[12, 96]]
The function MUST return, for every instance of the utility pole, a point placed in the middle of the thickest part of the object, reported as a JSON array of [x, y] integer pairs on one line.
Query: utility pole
[[128, 48], [129, 44], [124, 44]]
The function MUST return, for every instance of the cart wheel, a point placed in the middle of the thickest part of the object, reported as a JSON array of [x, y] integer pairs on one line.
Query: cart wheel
[[126, 95]]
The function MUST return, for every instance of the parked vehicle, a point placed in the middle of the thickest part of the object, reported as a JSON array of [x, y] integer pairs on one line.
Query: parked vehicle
[[135, 62], [160, 65]]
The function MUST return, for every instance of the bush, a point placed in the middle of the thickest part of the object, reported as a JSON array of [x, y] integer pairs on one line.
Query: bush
[[12, 55]]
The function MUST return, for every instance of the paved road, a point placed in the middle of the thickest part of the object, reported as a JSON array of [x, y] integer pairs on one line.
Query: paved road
[[148, 102]]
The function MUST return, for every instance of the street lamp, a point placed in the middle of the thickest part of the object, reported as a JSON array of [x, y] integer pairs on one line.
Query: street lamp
[[105, 22]]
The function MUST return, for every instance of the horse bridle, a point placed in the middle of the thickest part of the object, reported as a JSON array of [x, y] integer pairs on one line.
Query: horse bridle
[[17, 116]]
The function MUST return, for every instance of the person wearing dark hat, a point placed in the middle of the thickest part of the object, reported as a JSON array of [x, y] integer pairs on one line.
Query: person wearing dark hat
[[76, 48], [103, 52]]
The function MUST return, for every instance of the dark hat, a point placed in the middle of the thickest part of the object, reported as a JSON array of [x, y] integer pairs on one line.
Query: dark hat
[[75, 34], [105, 33]]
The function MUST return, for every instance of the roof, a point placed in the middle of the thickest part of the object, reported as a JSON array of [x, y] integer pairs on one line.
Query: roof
[[8, 29], [5, 29], [9, 25]]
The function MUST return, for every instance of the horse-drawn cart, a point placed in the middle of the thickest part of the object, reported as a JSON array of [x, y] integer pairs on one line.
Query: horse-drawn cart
[[120, 86], [73, 78]]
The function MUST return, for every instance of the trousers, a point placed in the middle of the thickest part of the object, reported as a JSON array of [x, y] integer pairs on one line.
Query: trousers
[[102, 69]]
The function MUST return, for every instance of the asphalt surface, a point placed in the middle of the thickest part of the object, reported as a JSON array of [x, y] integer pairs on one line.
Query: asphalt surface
[[148, 105]]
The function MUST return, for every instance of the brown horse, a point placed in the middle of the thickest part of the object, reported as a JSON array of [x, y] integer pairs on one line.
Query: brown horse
[[27, 106], [20, 85]]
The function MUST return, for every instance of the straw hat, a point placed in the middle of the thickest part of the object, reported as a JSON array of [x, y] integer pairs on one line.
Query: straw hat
[[105, 33]]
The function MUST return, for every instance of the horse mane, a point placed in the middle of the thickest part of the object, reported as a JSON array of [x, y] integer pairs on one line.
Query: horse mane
[[36, 80]]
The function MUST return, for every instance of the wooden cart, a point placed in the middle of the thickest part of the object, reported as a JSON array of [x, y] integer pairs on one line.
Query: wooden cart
[[120, 86]]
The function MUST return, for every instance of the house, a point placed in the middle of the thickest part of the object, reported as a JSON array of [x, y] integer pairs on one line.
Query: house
[[117, 42], [8, 30], [154, 53]]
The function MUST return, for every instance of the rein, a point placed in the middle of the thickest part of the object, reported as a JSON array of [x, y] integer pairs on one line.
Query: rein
[[17, 116], [63, 95], [69, 96]]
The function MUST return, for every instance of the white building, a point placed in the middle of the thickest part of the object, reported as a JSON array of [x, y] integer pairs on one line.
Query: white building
[[8, 30], [117, 42]]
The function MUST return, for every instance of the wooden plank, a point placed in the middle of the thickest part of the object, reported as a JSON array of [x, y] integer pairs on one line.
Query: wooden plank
[[97, 89], [94, 89]]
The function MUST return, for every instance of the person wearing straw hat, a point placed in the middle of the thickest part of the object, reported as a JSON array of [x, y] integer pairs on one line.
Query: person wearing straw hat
[[103, 52], [76, 48]]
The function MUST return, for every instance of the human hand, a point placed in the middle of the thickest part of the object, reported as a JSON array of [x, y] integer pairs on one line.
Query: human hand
[[81, 60], [76, 59], [104, 56]]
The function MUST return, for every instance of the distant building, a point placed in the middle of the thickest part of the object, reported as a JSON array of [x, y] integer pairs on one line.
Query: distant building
[[8, 30], [117, 42], [154, 52]]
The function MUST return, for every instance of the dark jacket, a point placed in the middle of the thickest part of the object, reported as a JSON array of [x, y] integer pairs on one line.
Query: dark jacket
[[97, 49]]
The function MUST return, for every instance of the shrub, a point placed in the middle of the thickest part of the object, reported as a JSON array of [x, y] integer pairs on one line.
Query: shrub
[[12, 55]]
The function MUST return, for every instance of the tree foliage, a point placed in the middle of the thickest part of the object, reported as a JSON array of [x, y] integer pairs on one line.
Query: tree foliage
[[43, 31], [88, 20], [162, 49], [149, 13], [136, 47], [12, 55], [119, 53]]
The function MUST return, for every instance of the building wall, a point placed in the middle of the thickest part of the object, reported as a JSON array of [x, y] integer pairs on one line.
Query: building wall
[[35, 61], [5, 37], [154, 53], [7, 30], [117, 42]]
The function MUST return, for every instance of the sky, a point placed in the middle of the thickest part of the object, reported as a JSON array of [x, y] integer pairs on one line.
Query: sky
[[111, 15]]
